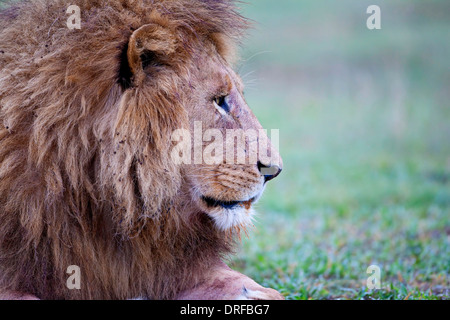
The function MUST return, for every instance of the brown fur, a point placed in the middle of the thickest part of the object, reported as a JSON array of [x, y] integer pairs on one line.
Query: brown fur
[[85, 173]]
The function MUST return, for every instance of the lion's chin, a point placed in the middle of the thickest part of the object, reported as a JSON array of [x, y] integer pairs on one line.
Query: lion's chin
[[230, 215]]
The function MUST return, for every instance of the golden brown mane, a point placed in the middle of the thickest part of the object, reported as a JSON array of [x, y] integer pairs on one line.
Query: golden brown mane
[[84, 178]]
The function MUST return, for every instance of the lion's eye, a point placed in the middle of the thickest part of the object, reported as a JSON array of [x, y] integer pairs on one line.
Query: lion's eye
[[221, 104]]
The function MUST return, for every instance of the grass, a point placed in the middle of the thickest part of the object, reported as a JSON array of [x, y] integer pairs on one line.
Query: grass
[[364, 125]]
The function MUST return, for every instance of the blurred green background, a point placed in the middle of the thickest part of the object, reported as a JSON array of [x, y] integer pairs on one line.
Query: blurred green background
[[364, 119]]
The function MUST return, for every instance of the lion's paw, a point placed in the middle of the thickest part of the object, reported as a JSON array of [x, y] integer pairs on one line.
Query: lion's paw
[[259, 294], [14, 295]]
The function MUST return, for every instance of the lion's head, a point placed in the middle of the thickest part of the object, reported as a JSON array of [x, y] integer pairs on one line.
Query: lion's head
[[88, 123], [229, 167], [197, 88]]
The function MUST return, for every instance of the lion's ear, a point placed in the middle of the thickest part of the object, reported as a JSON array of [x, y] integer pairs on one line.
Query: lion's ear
[[149, 47]]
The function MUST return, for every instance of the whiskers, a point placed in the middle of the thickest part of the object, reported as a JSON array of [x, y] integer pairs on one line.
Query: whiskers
[[250, 83]]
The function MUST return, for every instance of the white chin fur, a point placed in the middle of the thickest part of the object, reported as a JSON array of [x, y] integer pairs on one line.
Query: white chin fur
[[226, 219]]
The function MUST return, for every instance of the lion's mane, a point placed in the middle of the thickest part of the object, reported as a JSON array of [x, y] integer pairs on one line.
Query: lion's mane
[[85, 178]]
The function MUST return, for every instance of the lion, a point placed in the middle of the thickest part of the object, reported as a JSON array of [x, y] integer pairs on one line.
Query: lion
[[87, 176]]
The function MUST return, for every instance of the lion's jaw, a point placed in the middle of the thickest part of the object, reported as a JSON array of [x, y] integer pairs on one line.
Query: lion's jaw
[[230, 215]]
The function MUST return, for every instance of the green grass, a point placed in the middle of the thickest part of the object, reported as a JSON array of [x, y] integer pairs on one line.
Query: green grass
[[364, 123]]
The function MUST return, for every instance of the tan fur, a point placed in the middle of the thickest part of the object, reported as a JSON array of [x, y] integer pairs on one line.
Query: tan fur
[[85, 173]]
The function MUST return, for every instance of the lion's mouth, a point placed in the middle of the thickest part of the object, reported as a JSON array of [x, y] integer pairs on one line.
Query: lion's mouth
[[214, 203]]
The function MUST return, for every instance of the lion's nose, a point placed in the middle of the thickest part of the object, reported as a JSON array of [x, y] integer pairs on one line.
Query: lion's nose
[[269, 171]]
